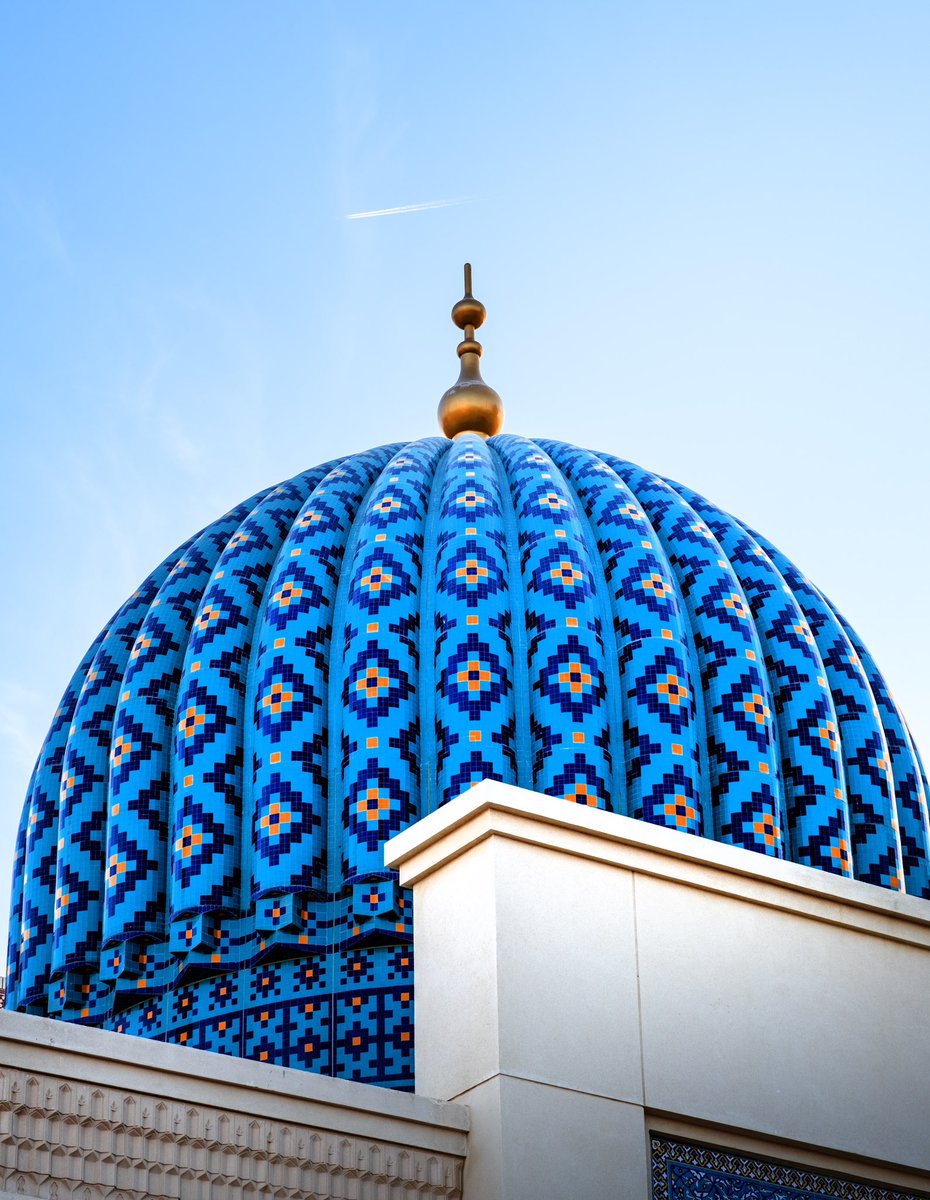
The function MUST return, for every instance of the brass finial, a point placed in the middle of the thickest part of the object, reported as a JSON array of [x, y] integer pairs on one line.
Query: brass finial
[[470, 406]]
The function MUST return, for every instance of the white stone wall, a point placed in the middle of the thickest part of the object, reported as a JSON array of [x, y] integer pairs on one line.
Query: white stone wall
[[89, 1114], [583, 978]]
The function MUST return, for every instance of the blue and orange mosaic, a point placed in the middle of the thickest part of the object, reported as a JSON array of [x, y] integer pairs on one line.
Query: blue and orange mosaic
[[200, 858]]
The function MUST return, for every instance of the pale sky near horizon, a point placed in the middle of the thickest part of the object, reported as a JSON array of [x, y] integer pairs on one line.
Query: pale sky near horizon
[[701, 231]]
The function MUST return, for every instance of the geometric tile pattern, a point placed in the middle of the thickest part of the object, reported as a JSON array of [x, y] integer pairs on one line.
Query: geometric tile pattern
[[183, 615], [200, 857], [872, 804], [812, 776], [688, 1171], [740, 763]]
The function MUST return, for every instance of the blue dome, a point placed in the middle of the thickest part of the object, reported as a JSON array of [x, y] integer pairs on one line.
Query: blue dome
[[200, 858]]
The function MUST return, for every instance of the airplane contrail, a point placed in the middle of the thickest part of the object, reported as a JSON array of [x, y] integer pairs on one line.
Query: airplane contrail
[[405, 208]]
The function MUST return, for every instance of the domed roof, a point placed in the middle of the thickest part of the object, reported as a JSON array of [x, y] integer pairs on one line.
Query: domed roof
[[200, 857]]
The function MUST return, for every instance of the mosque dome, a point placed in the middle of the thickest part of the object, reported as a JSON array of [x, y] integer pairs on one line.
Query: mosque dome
[[200, 857]]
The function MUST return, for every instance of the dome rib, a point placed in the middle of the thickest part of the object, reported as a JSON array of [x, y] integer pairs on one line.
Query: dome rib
[[565, 650], [380, 777], [277, 818], [516, 626], [474, 703], [32, 923], [340, 654], [289, 855], [427, 647], [811, 771], [602, 600], [336, 683], [876, 849], [141, 762], [80, 881], [662, 767], [13, 958], [209, 742], [909, 789], [738, 707]]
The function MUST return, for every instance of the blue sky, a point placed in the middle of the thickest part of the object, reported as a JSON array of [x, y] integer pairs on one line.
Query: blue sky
[[700, 230]]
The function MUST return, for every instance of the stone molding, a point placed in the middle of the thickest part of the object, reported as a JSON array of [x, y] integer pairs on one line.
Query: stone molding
[[205, 1127], [492, 809]]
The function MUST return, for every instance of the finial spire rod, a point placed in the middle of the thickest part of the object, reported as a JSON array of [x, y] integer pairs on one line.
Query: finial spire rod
[[470, 406]]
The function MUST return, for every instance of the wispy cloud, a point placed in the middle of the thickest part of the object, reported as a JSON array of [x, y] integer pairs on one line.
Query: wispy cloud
[[38, 215], [406, 208], [19, 733]]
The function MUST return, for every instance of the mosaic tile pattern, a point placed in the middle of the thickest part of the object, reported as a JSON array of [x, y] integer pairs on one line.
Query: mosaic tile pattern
[[873, 816], [200, 857], [688, 1171]]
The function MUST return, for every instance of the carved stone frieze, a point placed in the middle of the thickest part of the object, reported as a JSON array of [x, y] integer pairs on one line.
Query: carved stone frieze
[[72, 1140]]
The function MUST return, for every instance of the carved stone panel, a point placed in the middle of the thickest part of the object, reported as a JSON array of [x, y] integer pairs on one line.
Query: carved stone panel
[[66, 1140]]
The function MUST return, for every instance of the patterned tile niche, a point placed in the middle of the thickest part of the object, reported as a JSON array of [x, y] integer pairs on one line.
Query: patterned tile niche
[[688, 1171]]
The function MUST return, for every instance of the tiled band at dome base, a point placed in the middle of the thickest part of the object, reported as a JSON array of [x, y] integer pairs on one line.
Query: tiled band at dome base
[[200, 855]]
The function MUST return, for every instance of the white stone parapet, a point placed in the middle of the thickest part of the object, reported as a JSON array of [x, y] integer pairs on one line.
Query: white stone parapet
[[584, 979], [90, 1114]]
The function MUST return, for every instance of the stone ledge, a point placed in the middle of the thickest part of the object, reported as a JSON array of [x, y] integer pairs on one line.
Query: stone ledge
[[88, 1113], [39, 1044], [493, 809]]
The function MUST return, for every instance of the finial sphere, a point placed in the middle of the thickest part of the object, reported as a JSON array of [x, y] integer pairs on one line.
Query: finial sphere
[[469, 311], [470, 406]]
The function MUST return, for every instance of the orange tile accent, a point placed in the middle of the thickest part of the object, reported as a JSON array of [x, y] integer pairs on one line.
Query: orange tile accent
[[371, 743], [578, 737]]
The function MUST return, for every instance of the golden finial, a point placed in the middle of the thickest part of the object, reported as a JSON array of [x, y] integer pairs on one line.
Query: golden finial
[[470, 406]]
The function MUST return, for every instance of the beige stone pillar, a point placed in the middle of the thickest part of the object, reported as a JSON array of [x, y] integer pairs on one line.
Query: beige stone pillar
[[522, 951]]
